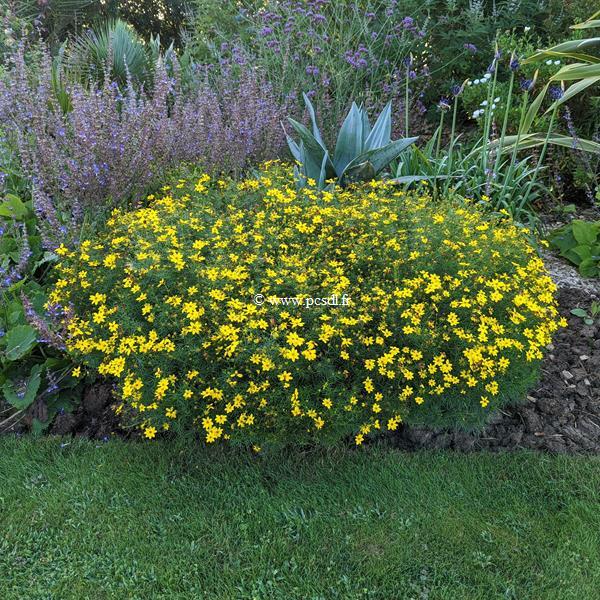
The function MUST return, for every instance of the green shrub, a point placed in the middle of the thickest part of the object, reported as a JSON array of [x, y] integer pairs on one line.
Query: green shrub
[[214, 308]]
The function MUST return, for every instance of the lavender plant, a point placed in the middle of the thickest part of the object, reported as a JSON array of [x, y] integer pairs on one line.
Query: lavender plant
[[115, 142]]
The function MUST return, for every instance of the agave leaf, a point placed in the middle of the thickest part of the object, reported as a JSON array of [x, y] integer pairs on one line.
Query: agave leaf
[[310, 166], [363, 171], [381, 134], [323, 171], [294, 148], [350, 140], [313, 148], [381, 157], [366, 124], [313, 119]]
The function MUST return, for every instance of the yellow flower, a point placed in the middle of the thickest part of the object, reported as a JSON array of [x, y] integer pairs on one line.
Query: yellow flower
[[150, 432]]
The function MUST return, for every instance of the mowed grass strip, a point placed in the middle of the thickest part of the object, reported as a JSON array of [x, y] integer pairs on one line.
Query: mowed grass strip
[[154, 520]]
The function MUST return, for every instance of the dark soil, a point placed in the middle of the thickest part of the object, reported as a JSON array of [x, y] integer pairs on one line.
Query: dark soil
[[94, 418], [562, 414]]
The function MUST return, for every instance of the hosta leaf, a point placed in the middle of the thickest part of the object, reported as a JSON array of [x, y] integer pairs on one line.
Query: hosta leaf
[[589, 268], [585, 232]]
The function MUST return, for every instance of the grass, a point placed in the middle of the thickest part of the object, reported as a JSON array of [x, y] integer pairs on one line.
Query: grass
[[126, 520]]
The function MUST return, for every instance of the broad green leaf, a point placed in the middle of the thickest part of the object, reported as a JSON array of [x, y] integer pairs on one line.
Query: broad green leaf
[[19, 341], [585, 232], [577, 71], [583, 252], [589, 268], [579, 312], [13, 208], [22, 394]]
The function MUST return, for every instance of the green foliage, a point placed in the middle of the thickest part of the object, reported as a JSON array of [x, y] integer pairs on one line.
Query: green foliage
[[585, 72], [589, 318], [114, 49], [579, 242], [30, 370], [360, 154]]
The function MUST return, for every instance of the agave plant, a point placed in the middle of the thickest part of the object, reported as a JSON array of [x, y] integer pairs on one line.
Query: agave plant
[[361, 151]]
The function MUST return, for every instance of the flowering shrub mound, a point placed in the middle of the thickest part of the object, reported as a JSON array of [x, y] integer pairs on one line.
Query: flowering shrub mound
[[256, 313]]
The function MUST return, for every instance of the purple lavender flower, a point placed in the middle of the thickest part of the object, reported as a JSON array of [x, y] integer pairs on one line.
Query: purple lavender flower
[[470, 48], [556, 92], [514, 63]]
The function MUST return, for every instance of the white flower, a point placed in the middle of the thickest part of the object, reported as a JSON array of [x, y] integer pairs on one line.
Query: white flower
[[476, 81], [488, 75], [477, 114], [484, 103], [526, 29], [496, 99], [493, 106], [549, 62], [557, 62]]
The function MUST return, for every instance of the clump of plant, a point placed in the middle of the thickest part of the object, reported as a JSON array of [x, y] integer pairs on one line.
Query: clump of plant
[[494, 168], [335, 52], [579, 243], [589, 318], [35, 376], [202, 307], [85, 149], [361, 151]]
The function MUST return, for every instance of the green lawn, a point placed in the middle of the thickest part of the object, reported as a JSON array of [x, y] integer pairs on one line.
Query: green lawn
[[128, 520]]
